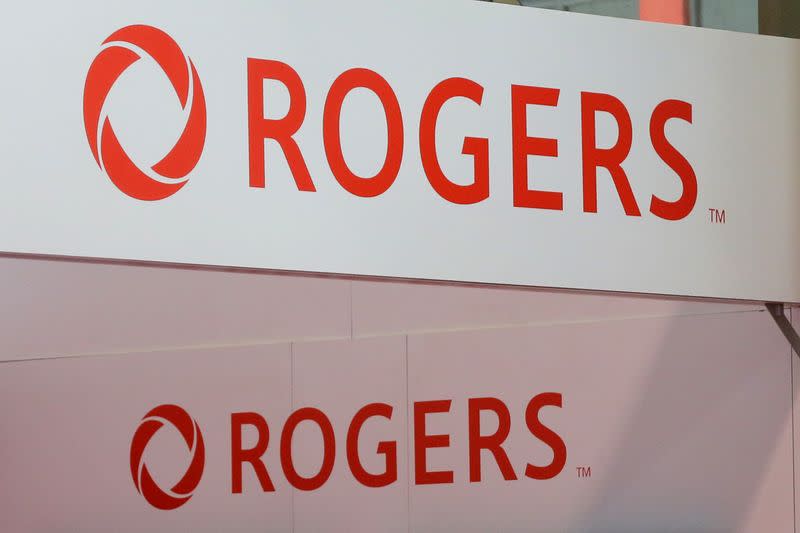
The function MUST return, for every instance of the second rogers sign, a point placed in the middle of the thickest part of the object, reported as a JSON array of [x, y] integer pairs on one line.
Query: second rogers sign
[[250, 458]]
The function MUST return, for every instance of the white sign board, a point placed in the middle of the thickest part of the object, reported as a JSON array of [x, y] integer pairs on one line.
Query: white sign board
[[568, 428], [447, 140]]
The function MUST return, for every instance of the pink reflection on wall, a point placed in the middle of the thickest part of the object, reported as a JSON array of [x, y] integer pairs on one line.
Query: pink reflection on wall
[[672, 11]]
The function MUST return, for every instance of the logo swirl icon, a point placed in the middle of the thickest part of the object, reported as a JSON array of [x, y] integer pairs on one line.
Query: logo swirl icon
[[183, 489], [122, 49]]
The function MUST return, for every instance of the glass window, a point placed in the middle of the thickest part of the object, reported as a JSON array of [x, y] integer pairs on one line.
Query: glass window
[[613, 8], [736, 15]]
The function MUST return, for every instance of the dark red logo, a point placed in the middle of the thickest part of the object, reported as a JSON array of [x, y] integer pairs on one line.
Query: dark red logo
[[183, 489], [120, 51]]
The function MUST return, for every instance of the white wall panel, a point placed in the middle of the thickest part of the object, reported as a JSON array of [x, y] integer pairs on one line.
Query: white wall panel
[[67, 425], [341, 377], [684, 421], [682, 409], [55, 308], [388, 307]]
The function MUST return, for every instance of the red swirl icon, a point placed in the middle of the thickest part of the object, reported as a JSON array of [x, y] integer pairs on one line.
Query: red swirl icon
[[183, 489], [121, 50]]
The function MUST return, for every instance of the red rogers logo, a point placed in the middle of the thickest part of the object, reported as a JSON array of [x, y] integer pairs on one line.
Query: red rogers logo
[[183, 489], [120, 51]]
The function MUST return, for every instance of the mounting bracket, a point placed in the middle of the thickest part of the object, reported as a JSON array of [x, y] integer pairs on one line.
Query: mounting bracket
[[776, 311]]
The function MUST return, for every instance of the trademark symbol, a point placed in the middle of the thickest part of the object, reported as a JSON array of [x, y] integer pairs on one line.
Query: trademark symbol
[[583, 471], [717, 216]]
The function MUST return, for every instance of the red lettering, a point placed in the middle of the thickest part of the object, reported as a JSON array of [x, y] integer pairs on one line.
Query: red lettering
[[253, 455], [379, 183], [329, 448], [546, 435], [387, 449], [281, 130], [492, 443], [423, 441], [608, 158], [523, 146], [673, 158], [478, 190]]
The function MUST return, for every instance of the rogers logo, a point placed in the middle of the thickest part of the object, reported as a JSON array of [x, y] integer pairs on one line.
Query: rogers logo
[[147, 487], [122, 49], [126, 46], [347, 447]]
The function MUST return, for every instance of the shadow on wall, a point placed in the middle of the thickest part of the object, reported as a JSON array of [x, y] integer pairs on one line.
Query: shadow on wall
[[689, 401]]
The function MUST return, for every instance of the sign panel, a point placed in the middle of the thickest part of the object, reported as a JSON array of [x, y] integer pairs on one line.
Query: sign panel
[[545, 432], [397, 139]]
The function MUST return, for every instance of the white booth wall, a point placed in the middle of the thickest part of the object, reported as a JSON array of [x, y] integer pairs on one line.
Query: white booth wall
[[683, 409]]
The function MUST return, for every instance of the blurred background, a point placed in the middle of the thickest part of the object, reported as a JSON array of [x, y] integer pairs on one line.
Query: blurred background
[[771, 17]]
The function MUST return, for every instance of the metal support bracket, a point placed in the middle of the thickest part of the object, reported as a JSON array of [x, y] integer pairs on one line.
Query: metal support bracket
[[776, 311]]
